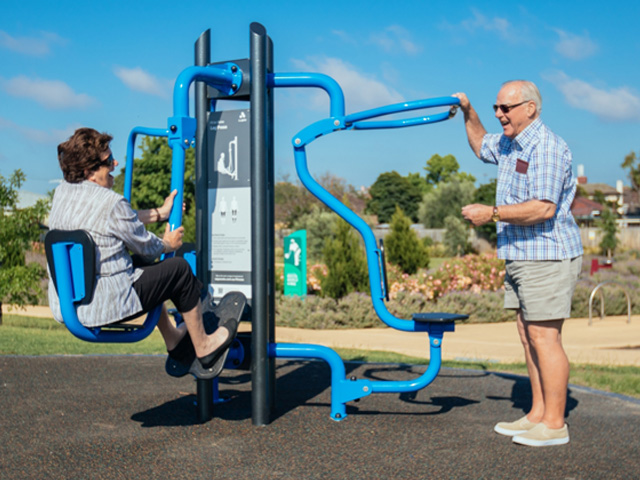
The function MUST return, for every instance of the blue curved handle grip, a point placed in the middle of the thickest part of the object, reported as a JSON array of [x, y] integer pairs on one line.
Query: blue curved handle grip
[[356, 120], [131, 143]]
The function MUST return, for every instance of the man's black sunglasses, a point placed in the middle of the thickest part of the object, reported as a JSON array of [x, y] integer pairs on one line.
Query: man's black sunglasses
[[507, 108]]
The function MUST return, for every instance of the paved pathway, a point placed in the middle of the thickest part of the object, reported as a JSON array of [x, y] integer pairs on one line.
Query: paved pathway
[[610, 341]]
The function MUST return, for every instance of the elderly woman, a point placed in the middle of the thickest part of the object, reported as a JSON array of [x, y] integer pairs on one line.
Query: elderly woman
[[124, 290]]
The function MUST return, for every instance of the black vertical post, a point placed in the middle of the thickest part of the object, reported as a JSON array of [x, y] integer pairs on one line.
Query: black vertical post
[[202, 58], [271, 225], [259, 230]]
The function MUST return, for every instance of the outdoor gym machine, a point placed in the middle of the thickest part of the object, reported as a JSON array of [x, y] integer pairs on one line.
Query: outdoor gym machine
[[253, 80]]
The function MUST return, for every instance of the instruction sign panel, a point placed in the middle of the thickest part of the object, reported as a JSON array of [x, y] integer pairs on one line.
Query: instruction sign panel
[[229, 201], [295, 264]]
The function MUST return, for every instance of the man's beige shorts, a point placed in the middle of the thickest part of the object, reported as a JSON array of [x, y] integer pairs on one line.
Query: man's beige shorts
[[542, 289]]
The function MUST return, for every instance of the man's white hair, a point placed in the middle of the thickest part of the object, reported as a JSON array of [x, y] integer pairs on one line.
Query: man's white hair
[[528, 92]]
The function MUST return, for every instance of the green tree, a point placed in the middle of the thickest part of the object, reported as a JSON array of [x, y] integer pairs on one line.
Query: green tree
[[609, 227], [446, 200], [152, 182], [291, 203], [403, 247], [456, 237], [486, 195], [630, 163], [443, 170], [319, 225], [390, 190], [19, 228], [346, 263]]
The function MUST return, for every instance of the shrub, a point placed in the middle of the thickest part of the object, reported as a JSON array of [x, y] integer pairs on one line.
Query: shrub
[[319, 225], [403, 246], [346, 264], [314, 312], [456, 237], [475, 273]]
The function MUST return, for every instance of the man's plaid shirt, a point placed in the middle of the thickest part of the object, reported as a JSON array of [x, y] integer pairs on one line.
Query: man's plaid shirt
[[536, 165]]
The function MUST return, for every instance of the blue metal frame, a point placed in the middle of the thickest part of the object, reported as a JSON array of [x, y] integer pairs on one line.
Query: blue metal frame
[[345, 390], [180, 133], [342, 389], [357, 121]]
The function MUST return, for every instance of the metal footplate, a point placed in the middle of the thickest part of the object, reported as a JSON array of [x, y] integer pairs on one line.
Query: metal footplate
[[438, 317], [230, 306]]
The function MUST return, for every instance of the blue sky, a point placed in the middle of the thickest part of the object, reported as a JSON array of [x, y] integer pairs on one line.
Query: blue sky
[[111, 65]]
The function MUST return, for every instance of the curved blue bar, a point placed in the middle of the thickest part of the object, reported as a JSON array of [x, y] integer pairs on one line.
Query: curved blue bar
[[357, 121], [131, 144], [177, 183], [220, 76], [401, 107], [338, 373], [406, 122], [435, 361], [372, 251], [328, 84]]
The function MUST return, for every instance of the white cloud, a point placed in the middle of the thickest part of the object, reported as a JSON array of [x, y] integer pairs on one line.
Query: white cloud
[[575, 47], [35, 46], [394, 38], [47, 137], [616, 104], [362, 91], [344, 36], [499, 25], [141, 81], [53, 94]]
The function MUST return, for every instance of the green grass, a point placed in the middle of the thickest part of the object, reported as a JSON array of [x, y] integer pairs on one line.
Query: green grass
[[37, 336], [41, 336]]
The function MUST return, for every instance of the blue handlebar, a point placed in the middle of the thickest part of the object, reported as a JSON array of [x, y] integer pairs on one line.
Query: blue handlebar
[[355, 120]]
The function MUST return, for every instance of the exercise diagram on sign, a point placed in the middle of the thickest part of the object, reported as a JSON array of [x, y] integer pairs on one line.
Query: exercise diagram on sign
[[232, 168]]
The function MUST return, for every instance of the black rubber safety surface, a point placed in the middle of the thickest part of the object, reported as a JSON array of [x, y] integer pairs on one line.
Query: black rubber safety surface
[[112, 417]]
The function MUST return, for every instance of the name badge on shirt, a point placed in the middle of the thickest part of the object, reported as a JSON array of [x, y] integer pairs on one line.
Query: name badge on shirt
[[522, 166]]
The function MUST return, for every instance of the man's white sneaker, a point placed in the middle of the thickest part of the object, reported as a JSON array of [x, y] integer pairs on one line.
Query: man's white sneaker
[[543, 436], [510, 429]]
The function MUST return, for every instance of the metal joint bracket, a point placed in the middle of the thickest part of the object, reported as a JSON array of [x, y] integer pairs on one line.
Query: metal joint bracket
[[182, 130], [234, 72], [349, 390], [317, 129]]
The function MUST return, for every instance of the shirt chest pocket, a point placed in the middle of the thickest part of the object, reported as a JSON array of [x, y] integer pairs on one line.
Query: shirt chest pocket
[[519, 188]]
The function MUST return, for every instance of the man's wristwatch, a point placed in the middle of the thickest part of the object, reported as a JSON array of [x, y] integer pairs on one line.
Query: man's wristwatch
[[496, 215]]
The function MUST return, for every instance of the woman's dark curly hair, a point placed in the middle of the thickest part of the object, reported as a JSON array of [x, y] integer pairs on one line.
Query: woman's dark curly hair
[[82, 153]]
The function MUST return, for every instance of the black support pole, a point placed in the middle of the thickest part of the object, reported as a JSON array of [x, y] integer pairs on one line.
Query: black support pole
[[202, 58], [260, 364], [271, 222]]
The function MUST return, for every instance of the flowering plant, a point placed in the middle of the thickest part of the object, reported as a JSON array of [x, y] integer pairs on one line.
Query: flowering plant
[[474, 273]]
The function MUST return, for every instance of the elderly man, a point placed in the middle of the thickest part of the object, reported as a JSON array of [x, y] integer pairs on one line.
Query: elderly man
[[540, 242]]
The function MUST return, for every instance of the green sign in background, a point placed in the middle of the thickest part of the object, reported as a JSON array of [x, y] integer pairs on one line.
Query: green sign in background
[[295, 264]]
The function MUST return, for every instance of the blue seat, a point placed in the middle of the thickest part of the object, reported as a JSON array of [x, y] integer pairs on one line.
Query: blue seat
[[71, 256]]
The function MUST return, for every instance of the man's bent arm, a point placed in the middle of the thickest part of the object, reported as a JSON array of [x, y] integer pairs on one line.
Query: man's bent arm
[[527, 213], [472, 123]]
